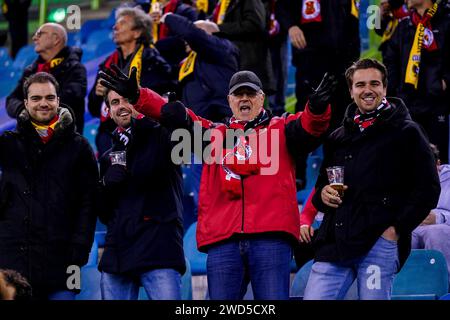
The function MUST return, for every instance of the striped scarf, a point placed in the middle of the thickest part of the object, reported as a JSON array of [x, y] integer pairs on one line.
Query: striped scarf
[[46, 132], [365, 120]]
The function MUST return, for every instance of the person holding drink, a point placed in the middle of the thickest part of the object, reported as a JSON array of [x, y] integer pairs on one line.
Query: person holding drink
[[142, 208], [389, 185]]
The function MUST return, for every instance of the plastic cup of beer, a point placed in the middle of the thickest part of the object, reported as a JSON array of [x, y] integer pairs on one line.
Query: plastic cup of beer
[[118, 157], [336, 178]]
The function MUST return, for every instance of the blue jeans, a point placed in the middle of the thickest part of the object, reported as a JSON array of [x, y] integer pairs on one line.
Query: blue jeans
[[265, 262], [62, 295], [374, 273], [159, 284]]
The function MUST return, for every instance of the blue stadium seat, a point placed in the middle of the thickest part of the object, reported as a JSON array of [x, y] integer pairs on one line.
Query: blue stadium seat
[[197, 259], [445, 297], [99, 36], [90, 26], [25, 57], [90, 283], [313, 164], [100, 238], [8, 81], [93, 255], [95, 50], [186, 282], [423, 277], [74, 39], [299, 283], [110, 21]]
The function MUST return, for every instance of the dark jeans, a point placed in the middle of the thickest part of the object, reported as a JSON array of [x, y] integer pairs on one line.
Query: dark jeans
[[265, 262]]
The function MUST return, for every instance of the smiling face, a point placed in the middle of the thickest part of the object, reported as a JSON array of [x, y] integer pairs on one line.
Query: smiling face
[[120, 109], [42, 102], [367, 89], [246, 103]]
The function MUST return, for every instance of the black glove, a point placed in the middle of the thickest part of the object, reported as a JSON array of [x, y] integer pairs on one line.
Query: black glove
[[119, 82], [320, 98], [115, 175]]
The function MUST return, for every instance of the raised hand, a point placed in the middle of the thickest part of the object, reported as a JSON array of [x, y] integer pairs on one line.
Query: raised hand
[[320, 98], [119, 82]]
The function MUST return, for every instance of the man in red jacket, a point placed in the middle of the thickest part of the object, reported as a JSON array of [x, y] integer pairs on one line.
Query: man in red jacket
[[248, 216]]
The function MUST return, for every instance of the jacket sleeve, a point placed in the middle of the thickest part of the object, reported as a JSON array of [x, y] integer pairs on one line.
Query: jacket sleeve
[[304, 131], [14, 102], [209, 47], [309, 212], [392, 60], [288, 13], [87, 195], [251, 22], [74, 86], [423, 175]]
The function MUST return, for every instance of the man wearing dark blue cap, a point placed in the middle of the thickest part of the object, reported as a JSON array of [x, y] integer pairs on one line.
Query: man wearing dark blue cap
[[248, 217]]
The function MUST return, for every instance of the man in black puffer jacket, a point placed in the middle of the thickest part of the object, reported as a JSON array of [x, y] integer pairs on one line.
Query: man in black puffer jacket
[[47, 191], [391, 184], [61, 61], [142, 208]]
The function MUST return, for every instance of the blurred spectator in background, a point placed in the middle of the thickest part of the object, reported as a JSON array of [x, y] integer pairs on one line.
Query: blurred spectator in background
[[47, 192], [417, 58], [245, 23], [279, 57], [142, 207], [392, 11], [13, 286], [132, 34], [325, 38], [16, 12], [434, 231], [205, 74], [64, 63], [171, 47]]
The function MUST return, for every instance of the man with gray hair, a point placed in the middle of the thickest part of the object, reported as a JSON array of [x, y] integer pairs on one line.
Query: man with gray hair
[[132, 34], [61, 61]]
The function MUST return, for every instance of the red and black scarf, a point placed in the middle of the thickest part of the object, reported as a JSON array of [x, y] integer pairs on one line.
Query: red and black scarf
[[365, 120], [241, 161]]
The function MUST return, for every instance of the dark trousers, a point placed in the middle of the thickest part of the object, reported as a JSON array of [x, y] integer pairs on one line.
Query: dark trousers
[[17, 17]]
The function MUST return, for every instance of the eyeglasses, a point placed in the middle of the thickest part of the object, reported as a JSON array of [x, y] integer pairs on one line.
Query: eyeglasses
[[39, 33], [250, 94]]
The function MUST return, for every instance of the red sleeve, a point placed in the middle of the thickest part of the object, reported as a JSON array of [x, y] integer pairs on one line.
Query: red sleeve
[[309, 212], [150, 103], [314, 124]]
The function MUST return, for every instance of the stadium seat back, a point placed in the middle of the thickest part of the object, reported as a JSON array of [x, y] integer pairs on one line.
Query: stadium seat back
[[423, 276]]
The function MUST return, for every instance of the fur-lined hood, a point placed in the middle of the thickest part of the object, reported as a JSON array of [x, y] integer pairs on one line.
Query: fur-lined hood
[[65, 123]]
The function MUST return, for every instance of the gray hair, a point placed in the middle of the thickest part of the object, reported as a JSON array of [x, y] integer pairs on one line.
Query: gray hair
[[141, 20]]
